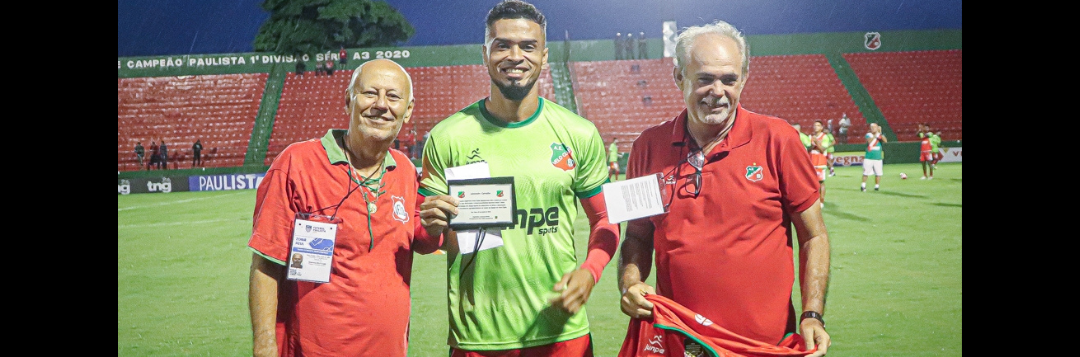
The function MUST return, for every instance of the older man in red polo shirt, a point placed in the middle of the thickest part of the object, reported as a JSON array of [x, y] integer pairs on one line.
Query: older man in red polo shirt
[[347, 204], [734, 182]]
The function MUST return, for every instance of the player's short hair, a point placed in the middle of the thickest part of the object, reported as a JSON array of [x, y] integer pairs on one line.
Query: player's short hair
[[514, 9], [684, 43], [356, 75]]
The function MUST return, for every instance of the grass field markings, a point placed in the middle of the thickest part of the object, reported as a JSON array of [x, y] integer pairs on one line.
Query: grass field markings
[[170, 203], [166, 224], [900, 194], [845, 215]]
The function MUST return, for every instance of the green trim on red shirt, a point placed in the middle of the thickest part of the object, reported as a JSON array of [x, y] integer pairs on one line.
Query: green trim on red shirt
[[337, 155]]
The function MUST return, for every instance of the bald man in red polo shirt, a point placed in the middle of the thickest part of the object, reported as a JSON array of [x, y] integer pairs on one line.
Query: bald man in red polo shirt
[[349, 204], [734, 183]]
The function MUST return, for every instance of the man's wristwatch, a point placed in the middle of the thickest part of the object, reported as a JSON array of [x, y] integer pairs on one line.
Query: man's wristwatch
[[812, 315]]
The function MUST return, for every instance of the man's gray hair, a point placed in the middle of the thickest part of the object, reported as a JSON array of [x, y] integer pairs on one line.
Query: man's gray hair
[[356, 75], [685, 42]]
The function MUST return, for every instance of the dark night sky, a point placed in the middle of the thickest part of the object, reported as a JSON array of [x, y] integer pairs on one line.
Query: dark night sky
[[178, 27]]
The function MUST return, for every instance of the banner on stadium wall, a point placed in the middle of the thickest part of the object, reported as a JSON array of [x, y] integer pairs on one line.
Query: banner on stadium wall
[[225, 182], [261, 62], [151, 185], [848, 160], [953, 155]]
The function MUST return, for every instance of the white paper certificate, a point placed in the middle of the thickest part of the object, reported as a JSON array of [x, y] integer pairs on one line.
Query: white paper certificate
[[483, 202], [632, 199], [312, 252]]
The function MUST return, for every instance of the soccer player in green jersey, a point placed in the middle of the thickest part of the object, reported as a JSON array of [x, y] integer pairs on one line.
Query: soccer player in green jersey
[[829, 153], [805, 138], [935, 147], [526, 297], [613, 160]]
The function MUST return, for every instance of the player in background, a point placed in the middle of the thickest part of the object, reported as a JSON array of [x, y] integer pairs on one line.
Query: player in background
[[820, 143], [926, 152], [803, 137], [874, 160], [613, 160], [935, 146], [830, 151]]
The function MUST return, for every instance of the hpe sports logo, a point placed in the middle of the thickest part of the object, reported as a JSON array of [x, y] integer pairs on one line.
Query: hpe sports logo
[[656, 345], [546, 220]]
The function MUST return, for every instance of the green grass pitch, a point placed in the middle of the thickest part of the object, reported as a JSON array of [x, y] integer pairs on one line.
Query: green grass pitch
[[896, 287]]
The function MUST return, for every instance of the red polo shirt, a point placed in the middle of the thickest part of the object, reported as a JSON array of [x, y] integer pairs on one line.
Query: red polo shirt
[[727, 253], [364, 309]]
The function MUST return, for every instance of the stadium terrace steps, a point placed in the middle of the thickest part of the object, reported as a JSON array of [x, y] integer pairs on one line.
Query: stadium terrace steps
[[220, 110], [624, 97], [310, 104], [801, 89], [915, 86]]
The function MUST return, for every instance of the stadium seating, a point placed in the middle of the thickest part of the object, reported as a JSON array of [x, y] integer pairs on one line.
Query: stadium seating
[[801, 89], [624, 97], [310, 105], [915, 86], [220, 110]]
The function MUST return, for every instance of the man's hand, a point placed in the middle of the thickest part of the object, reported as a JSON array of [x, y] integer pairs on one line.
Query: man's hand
[[436, 212], [574, 289], [634, 303], [813, 332]]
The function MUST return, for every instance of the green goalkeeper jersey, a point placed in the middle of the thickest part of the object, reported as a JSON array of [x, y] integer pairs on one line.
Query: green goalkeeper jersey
[[555, 157]]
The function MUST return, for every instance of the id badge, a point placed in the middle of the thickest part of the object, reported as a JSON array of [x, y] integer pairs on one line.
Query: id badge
[[312, 252]]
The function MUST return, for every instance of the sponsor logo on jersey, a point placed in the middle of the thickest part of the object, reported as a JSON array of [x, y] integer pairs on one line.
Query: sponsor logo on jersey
[[542, 221], [399, 209], [656, 344], [702, 320], [754, 173], [872, 40], [474, 157], [562, 157]]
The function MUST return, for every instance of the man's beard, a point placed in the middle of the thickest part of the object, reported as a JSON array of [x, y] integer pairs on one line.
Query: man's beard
[[513, 92]]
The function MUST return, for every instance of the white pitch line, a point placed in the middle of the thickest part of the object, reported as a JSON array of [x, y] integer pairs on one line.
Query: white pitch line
[[177, 202], [165, 224]]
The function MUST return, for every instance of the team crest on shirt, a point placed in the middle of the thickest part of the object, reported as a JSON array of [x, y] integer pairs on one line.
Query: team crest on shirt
[[562, 157], [400, 214], [754, 173], [872, 40]]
